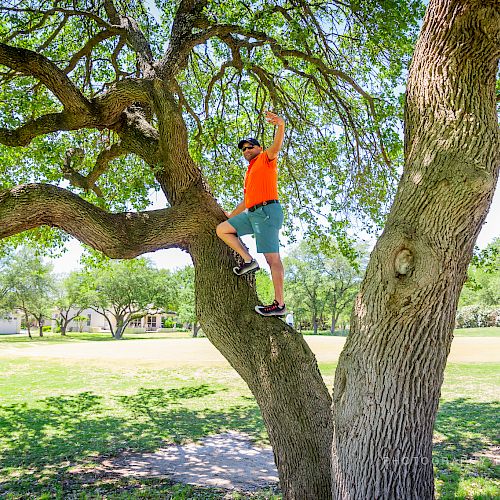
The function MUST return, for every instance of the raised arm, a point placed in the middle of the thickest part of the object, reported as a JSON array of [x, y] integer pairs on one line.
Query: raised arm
[[273, 150]]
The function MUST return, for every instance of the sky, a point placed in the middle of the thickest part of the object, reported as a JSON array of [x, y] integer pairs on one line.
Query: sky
[[175, 259]]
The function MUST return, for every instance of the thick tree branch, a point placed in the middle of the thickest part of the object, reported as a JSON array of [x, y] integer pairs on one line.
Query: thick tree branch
[[182, 39], [119, 96], [45, 124], [120, 235], [104, 111], [139, 137], [27, 62]]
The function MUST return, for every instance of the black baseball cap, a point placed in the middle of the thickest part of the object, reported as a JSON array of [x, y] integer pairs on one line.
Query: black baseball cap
[[250, 140]]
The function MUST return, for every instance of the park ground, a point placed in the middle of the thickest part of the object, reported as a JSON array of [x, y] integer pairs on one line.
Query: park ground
[[71, 405]]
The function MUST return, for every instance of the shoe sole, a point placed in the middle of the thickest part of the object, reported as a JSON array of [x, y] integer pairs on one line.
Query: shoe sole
[[246, 271], [280, 315]]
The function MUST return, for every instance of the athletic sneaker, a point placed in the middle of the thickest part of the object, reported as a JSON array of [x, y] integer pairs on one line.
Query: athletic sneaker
[[246, 267], [273, 310]]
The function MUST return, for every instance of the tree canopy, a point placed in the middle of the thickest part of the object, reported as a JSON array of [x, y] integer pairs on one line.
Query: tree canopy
[[77, 72]]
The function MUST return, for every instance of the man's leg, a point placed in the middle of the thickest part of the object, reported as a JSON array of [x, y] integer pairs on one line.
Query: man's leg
[[229, 236], [278, 275]]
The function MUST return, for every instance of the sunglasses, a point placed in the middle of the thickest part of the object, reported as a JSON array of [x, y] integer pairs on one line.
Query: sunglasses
[[246, 147]]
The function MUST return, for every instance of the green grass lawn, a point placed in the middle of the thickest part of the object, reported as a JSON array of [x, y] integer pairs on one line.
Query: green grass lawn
[[57, 417], [492, 331], [57, 338]]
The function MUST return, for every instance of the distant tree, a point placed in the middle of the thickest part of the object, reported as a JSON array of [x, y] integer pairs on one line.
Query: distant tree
[[320, 281], [342, 285], [80, 320], [185, 298], [27, 284], [264, 286], [123, 291], [483, 283], [305, 282], [70, 299]]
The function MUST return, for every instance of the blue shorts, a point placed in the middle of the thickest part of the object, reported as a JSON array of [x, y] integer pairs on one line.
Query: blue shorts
[[265, 223]]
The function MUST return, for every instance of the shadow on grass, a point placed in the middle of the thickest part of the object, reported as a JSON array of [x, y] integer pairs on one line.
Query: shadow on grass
[[466, 430], [41, 442]]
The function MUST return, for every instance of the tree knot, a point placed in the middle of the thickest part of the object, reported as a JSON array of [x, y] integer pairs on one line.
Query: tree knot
[[403, 263]]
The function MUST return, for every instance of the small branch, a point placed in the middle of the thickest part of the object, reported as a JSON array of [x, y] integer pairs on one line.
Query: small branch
[[218, 76], [283, 54], [54, 34], [87, 49], [114, 57], [68, 12], [27, 31], [105, 157], [134, 37], [184, 102], [77, 179]]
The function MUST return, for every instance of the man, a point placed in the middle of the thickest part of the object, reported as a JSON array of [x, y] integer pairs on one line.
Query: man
[[259, 213]]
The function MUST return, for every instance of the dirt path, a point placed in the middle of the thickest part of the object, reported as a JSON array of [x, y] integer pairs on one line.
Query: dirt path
[[229, 460], [175, 352]]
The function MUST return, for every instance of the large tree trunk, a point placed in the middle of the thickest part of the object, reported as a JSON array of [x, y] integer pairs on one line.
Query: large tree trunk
[[278, 366], [388, 380], [120, 329]]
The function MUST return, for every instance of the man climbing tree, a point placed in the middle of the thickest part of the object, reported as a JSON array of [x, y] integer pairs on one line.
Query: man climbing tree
[[260, 213]]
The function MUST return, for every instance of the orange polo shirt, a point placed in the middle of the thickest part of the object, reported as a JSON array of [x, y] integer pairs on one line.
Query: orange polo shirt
[[261, 180]]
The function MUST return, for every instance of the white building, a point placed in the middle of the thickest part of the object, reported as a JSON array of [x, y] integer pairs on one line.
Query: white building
[[10, 323], [92, 321]]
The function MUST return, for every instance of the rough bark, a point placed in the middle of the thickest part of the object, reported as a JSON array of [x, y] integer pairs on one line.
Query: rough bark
[[388, 380]]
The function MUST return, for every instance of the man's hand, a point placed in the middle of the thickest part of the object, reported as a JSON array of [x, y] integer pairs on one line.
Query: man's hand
[[274, 119]]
